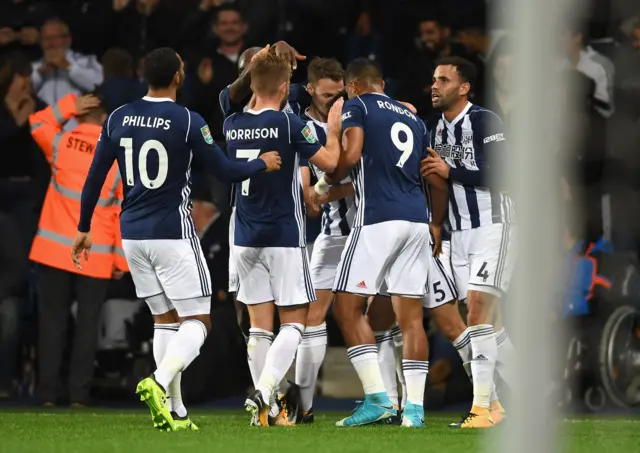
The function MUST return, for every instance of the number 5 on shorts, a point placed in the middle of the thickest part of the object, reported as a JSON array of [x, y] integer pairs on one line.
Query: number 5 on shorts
[[249, 154]]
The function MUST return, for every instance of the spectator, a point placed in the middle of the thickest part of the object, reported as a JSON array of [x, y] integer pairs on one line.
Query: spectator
[[91, 23], [593, 65], [62, 71], [70, 155], [434, 41], [20, 21], [143, 25], [24, 175], [501, 97], [13, 276], [120, 84], [219, 67]]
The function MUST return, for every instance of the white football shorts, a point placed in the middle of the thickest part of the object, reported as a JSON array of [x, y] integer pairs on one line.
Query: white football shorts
[[483, 258], [325, 258], [233, 270], [441, 287], [279, 274], [393, 254], [175, 267]]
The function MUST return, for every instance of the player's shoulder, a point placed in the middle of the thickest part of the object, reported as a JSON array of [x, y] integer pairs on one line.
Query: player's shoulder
[[478, 113]]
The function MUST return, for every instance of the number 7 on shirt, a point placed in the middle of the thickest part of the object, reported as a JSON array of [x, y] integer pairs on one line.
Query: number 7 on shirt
[[249, 154]]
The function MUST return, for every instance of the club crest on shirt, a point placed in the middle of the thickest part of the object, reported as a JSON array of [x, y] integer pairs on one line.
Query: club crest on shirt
[[467, 136], [308, 135], [206, 134]]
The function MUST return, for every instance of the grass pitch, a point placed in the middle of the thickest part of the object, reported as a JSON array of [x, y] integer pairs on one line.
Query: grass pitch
[[107, 431]]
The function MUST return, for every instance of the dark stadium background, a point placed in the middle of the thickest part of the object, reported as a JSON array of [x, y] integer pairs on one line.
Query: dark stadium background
[[398, 34]]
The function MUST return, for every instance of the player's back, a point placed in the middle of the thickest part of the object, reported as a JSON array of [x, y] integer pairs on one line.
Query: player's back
[[269, 206], [155, 163], [387, 180]]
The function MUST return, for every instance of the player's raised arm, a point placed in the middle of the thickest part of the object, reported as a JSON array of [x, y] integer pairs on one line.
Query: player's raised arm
[[103, 159], [326, 157], [216, 161], [352, 138]]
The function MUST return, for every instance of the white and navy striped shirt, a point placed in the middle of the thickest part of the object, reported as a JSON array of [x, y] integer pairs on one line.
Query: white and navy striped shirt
[[469, 144], [337, 216]]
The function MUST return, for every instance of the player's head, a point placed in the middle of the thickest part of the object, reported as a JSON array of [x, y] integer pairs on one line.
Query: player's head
[[452, 82], [246, 56], [363, 76], [96, 115], [326, 80], [270, 76], [164, 70]]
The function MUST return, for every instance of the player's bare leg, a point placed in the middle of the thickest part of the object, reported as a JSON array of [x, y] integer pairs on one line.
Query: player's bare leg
[[311, 351], [382, 320], [484, 349], [415, 355], [363, 353], [278, 361], [242, 316]]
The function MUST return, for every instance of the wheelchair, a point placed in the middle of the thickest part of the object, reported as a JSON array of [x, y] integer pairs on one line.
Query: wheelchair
[[602, 364]]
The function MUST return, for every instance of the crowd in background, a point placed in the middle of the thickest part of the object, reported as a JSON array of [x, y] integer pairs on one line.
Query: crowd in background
[[50, 49]]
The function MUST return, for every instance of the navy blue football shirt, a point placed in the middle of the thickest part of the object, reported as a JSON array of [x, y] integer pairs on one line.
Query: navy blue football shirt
[[270, 208], [154, 141], [387, 180]]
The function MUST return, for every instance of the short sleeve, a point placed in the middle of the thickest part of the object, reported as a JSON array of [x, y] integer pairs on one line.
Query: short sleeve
[[353, 113], [302, 138], [198, 133], [228, 108]]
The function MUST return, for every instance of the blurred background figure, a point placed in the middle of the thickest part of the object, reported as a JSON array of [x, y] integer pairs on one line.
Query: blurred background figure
[[120, 84]]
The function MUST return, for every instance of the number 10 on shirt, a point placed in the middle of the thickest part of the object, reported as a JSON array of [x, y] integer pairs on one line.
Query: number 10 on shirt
[[249, 154]]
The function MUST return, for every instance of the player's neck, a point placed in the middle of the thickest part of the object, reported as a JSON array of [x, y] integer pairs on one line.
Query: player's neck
[[266, 103], [316, 115], [377, 89], [163, 93], [454, 111]]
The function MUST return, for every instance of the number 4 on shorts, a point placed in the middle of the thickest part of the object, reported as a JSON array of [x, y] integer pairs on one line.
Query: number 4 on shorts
[[482, 273]]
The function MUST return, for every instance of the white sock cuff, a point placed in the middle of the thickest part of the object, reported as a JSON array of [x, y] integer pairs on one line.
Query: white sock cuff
[[481, 330], [194, 322], [463, 340], [362, 353], [314, 336], [410, 367], [383, 336], [260, 334], [166, 328], [501, 336], [293, 326]]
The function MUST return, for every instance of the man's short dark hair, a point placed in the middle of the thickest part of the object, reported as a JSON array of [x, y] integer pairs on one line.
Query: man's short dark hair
[[229, 7], [464, 68], [325, 68], [363, 69], [160, 67]]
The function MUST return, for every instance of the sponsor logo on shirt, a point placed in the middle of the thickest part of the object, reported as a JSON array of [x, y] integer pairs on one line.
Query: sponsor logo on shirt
[[206, 134]]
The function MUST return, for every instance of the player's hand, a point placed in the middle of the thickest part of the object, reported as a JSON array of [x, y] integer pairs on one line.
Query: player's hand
[[335, 117], [81, 246], [272, 160], [410, 107], [261, 53], [436, 232], [284, 50], [434, 164], [86, 103]]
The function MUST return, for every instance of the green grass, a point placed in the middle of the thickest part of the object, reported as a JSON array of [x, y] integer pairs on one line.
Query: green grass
[[71, 431]]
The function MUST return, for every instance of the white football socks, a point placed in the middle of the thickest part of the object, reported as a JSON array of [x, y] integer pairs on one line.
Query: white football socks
[[279, 358], [183, 348], [463, 346], [398, 344], [365, 360], [415, 372], [387, 363], [162, 335], [260, 341], [311, 352], [484, 352], [506, 356]]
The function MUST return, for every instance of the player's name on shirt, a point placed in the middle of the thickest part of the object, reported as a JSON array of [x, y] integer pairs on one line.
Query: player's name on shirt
[[146, 121], [251, 134], [395, 108]]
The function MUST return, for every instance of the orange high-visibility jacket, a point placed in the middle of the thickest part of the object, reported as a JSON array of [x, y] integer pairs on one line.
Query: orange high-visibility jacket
[[70, 155]]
